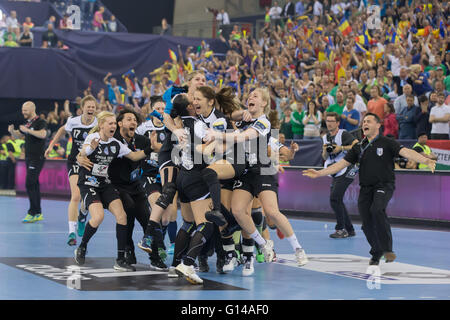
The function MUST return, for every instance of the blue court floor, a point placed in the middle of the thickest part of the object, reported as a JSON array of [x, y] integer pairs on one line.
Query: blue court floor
[[36, 263]]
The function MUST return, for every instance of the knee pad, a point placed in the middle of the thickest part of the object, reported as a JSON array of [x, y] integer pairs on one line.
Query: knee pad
[[168, 193], [257, 216], [206, 229], [188, 227]]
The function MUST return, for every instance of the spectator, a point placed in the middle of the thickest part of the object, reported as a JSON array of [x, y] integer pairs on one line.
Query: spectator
[[13, 23], [422, 148], [400, 102], [420, 81], [390, 121], [28, 23], [318, 9], [112, 24], [275, 13], [297, 122], [312, 121], [8, 33], [223, 18], [26, 38], [51, 20], [286, 124], [10, 42], [439, 119], [376, 104], [288, 10], [50, 36], [338, 107], [166, 28], [422, 116], [61, 45], [350, 116], [406, 123], [299, 8], [98, 23], [114, 91], [65, 23]]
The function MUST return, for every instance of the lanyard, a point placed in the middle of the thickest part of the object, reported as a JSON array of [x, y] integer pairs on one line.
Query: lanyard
[[31, 121], [366, 147]]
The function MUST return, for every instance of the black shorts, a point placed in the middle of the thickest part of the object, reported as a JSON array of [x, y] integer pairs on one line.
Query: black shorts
[[165, 160], [255, 183], [73, 168], [104, 195], [151, 185], [191, 186]]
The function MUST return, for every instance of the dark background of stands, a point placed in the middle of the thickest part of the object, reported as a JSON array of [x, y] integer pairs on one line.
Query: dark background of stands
[[140, 16]]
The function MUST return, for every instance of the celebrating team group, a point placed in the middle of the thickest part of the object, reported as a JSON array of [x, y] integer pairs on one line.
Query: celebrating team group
[[197, 145]]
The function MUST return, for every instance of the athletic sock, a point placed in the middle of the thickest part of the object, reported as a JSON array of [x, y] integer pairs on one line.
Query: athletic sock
[[211, 179], [72, 226], [181, 245], [172, 231], [258, 238], [89, 231], [121, 235], [294, 242], [248, 247]]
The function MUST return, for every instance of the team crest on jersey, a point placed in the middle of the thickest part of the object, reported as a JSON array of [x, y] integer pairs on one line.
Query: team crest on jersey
[[113, 149], [106, 151], [379, 152], [219, 125], [260, 125], [162, 136], [85, 135]]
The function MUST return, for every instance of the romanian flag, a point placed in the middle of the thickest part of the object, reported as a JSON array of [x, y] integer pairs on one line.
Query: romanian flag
[[302, 18], [319, 30], [441, 30], [424, 32], [360, 48], [321, 56], [208, 54], [345, 27], [339, 71], [173, 56]]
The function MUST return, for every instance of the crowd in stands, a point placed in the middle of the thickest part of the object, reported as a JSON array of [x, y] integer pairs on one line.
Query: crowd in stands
[[315, 57], [15, 33]]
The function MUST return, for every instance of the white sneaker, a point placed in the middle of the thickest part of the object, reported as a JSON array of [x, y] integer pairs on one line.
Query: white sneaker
[[267, 250], [248, 269], [172, 273], [301, 257], [230, 264], [188, 273]]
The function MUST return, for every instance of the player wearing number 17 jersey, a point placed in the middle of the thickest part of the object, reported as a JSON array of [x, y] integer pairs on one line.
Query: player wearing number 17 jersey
[[79, 128]]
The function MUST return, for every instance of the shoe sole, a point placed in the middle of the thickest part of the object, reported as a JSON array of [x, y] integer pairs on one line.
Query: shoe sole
[[189, 279], [390, 257], [216, 220], [159, 269], [148, 250], [120, 269], [248, 274], [75, 258]]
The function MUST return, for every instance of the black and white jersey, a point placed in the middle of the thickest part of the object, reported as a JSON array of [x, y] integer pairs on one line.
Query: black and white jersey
[[79, 132], [190, 159], [217, 121], [151, 163], [256, 149], [101, 158]]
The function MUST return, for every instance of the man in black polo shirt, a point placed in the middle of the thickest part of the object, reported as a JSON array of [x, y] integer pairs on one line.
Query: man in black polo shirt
[[35, 132], [125, 175], [374, 157]]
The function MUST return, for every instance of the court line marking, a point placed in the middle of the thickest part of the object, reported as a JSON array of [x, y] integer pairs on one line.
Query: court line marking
[[427, 297]]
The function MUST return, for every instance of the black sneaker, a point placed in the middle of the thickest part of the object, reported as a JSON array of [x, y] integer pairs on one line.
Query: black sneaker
[[122, 266], [216, 217], [339, 234], [351, 233], [130, 256], [375, 260], [157, 264], [203, 264], [219, 265], [80, 255]]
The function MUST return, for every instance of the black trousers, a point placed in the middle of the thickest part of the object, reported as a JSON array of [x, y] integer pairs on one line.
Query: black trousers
[[372, 203], [11, 172], [3, 174], [136, 207], [34, 167], [439, 136], [338, 187]]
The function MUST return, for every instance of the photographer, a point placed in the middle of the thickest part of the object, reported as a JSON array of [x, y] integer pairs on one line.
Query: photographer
[[336, 144]]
